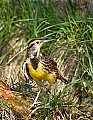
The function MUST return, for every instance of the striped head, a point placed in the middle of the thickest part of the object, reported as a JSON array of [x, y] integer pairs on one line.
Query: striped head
[[34, 47]]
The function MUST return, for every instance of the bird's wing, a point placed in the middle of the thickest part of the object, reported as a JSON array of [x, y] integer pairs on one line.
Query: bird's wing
[[49, 65]]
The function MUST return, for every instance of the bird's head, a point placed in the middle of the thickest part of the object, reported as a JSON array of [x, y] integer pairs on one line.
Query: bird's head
[[34, 47]]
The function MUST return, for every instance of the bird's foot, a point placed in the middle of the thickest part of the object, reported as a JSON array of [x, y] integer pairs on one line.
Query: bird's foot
[[35, 101]]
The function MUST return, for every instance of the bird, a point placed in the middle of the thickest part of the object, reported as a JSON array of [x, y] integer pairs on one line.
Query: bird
[[39, 67]]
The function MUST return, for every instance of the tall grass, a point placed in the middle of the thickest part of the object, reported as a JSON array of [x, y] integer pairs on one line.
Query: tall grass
[[22, 20]]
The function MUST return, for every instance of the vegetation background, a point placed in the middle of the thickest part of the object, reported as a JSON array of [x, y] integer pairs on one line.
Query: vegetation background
[[70, 23]]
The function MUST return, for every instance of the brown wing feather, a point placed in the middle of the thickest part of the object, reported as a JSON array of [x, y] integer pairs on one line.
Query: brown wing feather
[[49, 66]]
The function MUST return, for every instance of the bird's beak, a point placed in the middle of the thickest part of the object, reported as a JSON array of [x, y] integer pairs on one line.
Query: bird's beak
[[46, 40]]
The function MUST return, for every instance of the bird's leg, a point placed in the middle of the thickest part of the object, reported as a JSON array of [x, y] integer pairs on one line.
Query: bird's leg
[[35, 101], [52, 93], [40, 83]]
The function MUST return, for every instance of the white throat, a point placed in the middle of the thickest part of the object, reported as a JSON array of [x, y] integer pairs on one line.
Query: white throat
[[32, 56]]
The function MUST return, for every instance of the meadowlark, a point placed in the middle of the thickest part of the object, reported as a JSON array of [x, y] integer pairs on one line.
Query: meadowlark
[[39, 67]]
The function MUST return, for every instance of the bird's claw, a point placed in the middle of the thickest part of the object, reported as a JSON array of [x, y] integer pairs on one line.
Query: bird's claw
[[35, 101]]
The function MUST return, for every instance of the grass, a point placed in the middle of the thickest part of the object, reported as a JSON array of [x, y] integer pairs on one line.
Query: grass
[[22, 20]]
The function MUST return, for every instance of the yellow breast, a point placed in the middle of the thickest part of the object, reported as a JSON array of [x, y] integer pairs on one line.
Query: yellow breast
[[38, 74]]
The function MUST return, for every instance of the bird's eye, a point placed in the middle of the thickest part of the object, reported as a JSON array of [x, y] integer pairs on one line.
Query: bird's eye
[[37, 42]]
